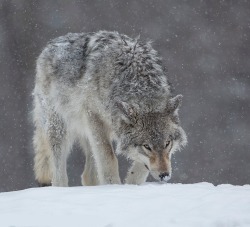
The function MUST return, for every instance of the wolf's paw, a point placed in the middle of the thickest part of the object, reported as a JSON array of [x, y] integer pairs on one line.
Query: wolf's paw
[[43, 184]]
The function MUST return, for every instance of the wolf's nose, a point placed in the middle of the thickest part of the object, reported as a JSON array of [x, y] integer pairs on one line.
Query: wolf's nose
[[163, 175]]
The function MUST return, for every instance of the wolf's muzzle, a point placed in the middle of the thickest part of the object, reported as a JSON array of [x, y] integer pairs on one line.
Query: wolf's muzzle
[[163, 175]]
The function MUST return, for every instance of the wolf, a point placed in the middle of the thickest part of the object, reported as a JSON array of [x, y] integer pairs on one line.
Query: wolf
[[98, 89]]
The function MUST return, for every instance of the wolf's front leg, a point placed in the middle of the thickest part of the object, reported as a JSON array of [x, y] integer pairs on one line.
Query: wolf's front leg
[[137, 174], [106, 162], [105, 158]]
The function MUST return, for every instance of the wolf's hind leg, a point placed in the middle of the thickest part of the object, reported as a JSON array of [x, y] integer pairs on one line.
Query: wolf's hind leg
[[89, 175], [137, 174], [60, 144], [42, 167]]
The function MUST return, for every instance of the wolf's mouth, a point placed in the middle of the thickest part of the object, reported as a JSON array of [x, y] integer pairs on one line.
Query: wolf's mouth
[[146, 167]]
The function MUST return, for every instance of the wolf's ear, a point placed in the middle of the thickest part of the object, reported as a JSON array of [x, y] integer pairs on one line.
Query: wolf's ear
[[174, 103], [128, 113]]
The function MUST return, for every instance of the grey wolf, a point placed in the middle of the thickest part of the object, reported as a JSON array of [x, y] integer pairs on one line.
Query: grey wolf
[[96, 88]]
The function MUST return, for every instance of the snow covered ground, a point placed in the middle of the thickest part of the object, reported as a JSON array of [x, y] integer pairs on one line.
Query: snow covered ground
[[180, 205]]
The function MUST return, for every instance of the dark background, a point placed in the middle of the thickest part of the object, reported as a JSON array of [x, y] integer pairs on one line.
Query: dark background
[[205, 46]]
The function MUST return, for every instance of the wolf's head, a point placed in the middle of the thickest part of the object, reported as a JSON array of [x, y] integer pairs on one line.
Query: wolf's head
[[152, 137]]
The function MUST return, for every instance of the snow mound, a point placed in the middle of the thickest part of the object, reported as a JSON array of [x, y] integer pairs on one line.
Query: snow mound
[[149, 205]]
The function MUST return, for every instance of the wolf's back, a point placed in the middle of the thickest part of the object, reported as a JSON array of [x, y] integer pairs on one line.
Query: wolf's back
[[116, 66]]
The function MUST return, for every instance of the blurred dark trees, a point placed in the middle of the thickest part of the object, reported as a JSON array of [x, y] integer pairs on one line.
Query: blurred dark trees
[[204, 44]]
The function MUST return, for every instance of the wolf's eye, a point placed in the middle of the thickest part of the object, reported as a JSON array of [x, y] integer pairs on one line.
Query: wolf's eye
[[147, 147], [167, 143]]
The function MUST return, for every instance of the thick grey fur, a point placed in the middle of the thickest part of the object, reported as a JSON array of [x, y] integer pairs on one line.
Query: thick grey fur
[[97, 88]]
